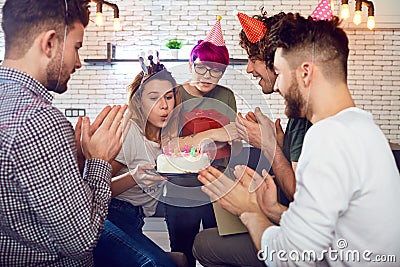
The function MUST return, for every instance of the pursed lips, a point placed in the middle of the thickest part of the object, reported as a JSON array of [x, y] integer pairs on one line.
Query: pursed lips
[[164, 117]]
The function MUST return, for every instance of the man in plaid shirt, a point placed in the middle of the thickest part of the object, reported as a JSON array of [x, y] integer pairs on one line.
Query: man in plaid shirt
[[51, 211]]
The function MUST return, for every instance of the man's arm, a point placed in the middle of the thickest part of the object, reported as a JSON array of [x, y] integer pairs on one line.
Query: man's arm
[[249, 193], [71, 209], [325, 185], [256, 223], [93, 127], [284, 173], [259, 131], [242, 197]]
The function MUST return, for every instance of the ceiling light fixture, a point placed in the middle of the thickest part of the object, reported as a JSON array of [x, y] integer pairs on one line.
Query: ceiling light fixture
[[99, 14], [357, 19]]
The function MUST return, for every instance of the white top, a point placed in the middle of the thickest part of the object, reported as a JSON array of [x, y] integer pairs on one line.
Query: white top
[[347, 196], [137, 149]]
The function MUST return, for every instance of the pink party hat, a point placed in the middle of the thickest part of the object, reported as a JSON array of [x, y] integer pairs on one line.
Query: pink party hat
[[215, 35], [253, 28], [323, 11]]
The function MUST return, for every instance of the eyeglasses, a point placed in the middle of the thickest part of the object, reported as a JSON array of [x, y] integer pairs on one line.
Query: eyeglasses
[[202, 70]]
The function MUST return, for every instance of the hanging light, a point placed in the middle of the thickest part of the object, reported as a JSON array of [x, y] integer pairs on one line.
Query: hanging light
[[99, 14], [357, 19], [371, 18], [345, 13], [117, 22], [371, 22]]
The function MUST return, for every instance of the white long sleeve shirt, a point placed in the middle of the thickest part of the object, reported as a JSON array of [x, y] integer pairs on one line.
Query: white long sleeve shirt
[[346, 205]]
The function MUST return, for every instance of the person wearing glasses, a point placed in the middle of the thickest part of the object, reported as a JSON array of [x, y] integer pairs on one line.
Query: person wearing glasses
[[209, 248], [347, 180], [207, 64]]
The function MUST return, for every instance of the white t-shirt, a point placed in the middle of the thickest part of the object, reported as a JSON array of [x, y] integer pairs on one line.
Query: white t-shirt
[[137, 149], [347, 197]]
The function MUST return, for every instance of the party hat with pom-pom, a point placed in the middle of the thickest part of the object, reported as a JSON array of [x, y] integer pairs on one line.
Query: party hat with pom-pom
[[215, 35], [323, 11], [254, 29]]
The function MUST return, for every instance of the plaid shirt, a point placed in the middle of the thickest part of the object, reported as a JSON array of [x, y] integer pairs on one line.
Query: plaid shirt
[[49, 214]]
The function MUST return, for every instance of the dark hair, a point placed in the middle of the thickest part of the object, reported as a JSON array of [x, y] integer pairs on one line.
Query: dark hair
[[209, 52], [23, 20], [307, 39], [259, 49]]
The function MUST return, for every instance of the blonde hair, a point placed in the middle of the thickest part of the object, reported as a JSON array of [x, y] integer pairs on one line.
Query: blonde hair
[[135, 90]]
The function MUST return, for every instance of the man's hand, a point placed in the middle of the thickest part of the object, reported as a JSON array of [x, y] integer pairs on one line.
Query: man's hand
[[248, 130], [78, 134], [250, 116], [267, 197], [104, 138], [79, 152], [258, 130], [234, 196]]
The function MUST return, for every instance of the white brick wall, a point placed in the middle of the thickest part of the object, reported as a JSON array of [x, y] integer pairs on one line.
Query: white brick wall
[[374, 63]]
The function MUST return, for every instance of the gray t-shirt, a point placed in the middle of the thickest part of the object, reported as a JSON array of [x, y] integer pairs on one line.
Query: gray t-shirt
[[137, 149]]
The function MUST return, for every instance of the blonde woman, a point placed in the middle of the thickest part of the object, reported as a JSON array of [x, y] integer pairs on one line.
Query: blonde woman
[[152, 97]]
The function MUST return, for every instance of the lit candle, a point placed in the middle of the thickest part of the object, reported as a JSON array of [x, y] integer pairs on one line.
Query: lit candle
[[186, 149], [169, 151], [175, 152], [192, 152]]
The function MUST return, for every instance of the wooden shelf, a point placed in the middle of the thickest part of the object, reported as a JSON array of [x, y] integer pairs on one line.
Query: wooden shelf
[[92, 61]]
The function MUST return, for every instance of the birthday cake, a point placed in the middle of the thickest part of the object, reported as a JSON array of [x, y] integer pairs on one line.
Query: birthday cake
[[182, 162]]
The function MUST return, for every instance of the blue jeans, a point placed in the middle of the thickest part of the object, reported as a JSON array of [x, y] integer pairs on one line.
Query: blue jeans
[[184, 224], [122, 242]]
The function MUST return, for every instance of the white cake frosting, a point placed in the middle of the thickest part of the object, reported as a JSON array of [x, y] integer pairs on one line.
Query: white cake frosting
[[182, 163]]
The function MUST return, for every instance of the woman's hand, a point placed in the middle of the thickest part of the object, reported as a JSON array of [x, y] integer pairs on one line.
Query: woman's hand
[[145, 175], [226, 133]]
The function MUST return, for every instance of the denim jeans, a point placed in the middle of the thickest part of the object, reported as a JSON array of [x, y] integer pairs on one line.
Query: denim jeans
[[184, 224], [122, 242]]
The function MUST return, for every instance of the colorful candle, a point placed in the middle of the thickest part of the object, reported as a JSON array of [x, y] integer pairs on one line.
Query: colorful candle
[[192, 152]]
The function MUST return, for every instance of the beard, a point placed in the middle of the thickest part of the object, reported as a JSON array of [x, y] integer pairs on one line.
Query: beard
[[56, 81], [294, 101]]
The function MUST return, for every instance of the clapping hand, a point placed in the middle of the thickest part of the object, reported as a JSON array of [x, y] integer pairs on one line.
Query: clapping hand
[[257, 130], [93, 127], [103, 139], [232, 195]]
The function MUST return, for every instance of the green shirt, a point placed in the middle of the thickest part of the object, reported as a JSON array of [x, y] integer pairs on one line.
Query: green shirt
[[292, 144], [293, 140]]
